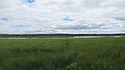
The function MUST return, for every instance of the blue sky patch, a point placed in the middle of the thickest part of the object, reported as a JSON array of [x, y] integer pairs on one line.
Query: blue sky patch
[[30, 2], [19, 25], [67, 18], [4, 19]]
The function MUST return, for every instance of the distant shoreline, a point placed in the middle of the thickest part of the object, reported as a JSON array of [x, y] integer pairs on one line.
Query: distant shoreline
[[68, 37]]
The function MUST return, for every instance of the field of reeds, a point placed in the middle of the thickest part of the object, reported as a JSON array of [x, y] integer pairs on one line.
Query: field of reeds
[[62, 54]]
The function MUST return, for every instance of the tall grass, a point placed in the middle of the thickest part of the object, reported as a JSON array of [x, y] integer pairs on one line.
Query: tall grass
[[63, 54]]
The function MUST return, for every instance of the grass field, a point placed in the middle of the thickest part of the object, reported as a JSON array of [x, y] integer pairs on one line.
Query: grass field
[[63, 54]]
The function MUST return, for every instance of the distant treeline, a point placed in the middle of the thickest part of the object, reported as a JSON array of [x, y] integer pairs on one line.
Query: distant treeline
[[52, 35]]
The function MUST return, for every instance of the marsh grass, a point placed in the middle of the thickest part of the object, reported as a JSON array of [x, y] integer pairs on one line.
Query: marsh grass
[[63, 54]]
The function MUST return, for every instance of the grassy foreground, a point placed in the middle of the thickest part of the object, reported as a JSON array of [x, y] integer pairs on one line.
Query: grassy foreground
[[63, 54]]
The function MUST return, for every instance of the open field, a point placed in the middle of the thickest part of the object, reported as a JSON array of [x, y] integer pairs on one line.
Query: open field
[[63, 54]]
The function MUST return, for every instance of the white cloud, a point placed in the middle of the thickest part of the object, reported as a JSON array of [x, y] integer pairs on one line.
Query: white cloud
[[47, 16]]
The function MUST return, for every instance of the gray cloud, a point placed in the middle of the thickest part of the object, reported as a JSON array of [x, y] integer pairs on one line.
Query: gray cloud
[[45, 16]]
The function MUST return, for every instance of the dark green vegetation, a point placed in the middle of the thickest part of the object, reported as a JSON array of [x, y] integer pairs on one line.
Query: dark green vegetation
[[63, 54], [52, 35]]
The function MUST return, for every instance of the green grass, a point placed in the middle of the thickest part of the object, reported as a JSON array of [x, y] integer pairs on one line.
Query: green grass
[[63, 54]]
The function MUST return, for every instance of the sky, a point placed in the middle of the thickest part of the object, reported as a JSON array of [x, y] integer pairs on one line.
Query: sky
[[62, 16]]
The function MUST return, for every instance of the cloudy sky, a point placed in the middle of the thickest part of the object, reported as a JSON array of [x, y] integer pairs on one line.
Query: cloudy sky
[[62, 16]]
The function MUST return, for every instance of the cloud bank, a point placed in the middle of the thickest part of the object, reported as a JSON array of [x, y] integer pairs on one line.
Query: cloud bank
[[62, 16]]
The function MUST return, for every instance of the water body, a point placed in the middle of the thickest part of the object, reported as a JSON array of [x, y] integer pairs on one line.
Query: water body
[[71, 37], [96, 36]]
